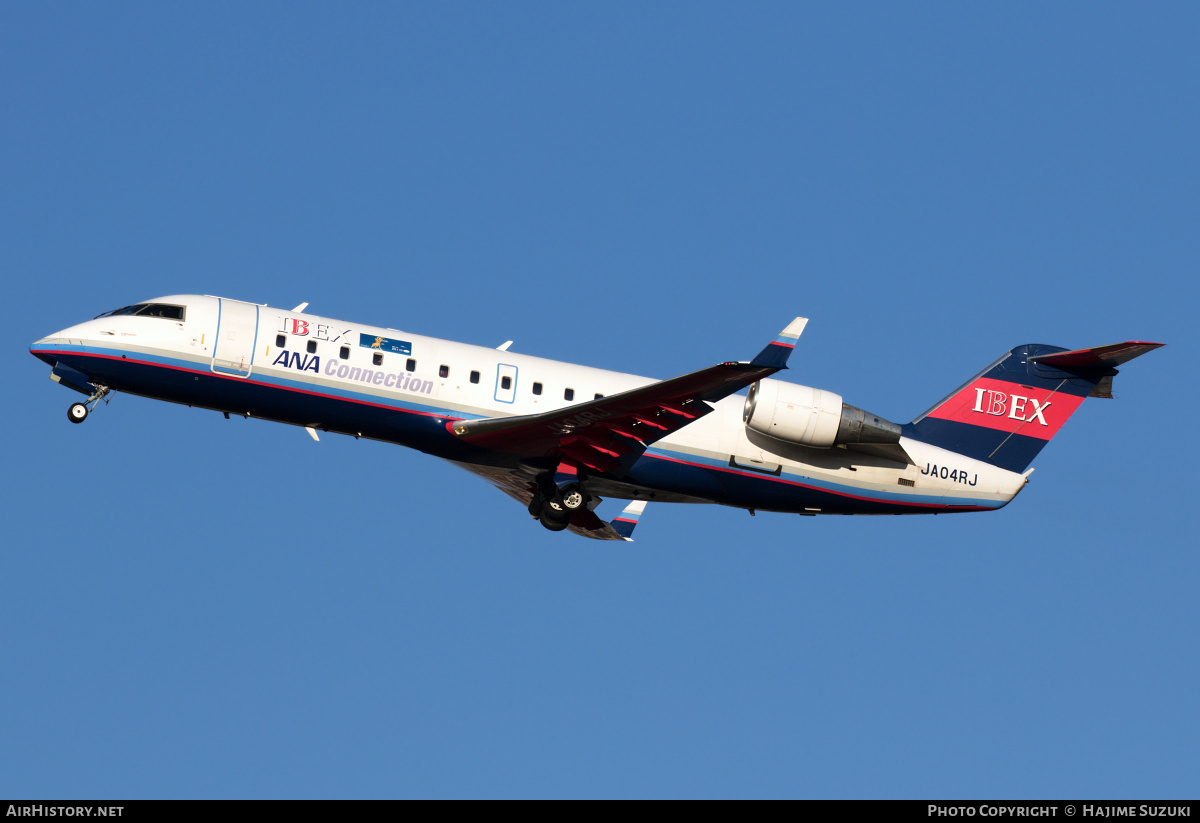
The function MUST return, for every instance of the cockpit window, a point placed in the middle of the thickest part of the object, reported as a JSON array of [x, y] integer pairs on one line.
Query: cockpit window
[[127, 310], [147, 310], [162, 310]]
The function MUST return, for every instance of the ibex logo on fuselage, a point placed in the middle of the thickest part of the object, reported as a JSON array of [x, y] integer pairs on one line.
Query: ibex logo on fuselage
[[301, 328]]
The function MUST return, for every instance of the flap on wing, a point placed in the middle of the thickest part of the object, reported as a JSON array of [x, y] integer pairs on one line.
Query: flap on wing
[[598, 433]]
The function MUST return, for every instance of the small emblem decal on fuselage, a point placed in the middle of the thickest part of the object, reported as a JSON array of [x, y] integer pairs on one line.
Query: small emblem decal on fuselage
[[371, 341]]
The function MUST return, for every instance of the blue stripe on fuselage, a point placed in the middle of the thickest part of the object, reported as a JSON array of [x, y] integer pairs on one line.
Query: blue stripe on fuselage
[[287, 401], [91, 353]]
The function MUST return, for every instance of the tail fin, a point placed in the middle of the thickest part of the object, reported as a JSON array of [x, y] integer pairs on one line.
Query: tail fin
[[1009, 411]]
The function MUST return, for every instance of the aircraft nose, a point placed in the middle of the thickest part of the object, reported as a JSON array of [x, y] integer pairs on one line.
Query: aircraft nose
[[78, 333], [45, 349], [48, 347]]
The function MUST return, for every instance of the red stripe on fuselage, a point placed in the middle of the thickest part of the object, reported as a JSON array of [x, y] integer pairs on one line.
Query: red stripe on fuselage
[[1009, 407]]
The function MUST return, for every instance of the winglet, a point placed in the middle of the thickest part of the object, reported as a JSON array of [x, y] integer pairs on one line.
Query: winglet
[[625, 522], [775, 355]]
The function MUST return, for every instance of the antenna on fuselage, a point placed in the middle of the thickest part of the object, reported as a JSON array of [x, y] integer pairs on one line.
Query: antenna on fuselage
[[301, 307], [502, 347]]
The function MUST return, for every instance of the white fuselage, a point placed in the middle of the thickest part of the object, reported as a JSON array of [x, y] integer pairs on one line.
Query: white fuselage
[[305, 369]]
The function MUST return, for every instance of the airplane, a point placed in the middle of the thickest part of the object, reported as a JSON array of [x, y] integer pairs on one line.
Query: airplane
[[560, 437]]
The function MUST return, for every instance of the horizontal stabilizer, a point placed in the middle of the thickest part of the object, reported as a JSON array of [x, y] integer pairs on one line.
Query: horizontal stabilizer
[[1098, 357]]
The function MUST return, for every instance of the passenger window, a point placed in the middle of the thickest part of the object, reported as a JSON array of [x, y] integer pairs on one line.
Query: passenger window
[[280, 341], [344, 353], [377, 359], [506, 382], [411, 365], [312, 346], [568, 394], [537, 388], [443, 371], [474, 377]]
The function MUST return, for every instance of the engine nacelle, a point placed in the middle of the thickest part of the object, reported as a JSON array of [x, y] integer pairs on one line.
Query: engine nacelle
[[797, 414], [812, 417]]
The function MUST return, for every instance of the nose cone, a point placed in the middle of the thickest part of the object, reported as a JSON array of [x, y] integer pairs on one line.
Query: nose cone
[[47, 348], [77, 334], [51, 346], [44, 350]]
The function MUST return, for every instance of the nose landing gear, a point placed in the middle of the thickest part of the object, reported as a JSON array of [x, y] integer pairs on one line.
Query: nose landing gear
[[79, 411]]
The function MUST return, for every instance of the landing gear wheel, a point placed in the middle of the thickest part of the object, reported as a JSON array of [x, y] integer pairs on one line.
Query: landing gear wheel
[[572, 497], [553, 520], [77, 413]]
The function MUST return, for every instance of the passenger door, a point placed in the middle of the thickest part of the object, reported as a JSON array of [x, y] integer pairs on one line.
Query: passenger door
[[237, 334]]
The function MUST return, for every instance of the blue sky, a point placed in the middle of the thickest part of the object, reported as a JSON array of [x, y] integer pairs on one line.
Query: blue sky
[[196, 607]]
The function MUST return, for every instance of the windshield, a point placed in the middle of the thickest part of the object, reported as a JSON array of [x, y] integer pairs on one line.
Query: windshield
[[147, 310]]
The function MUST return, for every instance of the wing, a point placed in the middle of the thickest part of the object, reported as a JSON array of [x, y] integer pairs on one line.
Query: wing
[[598, 434]]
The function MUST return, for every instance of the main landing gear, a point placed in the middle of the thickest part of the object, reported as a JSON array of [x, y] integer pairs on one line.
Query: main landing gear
[[79, 411], [553, 506]]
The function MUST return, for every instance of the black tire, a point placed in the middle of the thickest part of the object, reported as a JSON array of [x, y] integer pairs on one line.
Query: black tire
[[572, 497], [77, 413], [553, 521]]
